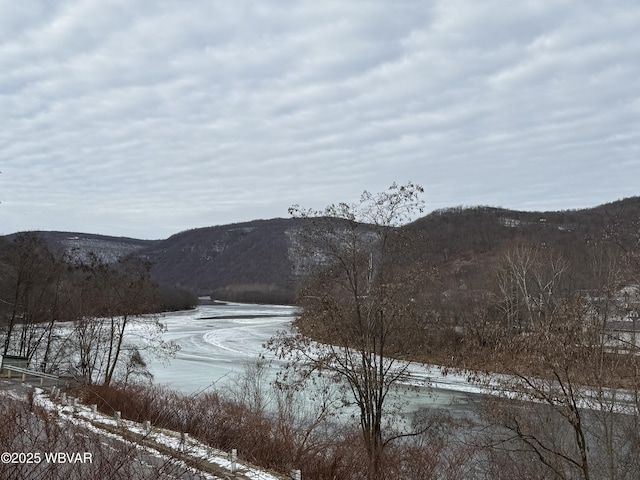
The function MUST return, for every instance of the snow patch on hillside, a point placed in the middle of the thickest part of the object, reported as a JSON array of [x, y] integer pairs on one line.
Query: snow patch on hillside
[[78, 249]]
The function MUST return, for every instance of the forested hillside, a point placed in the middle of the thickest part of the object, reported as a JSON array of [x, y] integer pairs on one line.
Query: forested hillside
[[262, 260], [250, 261], [465, 242]]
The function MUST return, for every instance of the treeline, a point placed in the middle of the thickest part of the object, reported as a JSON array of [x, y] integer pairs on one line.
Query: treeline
[[61, 313]]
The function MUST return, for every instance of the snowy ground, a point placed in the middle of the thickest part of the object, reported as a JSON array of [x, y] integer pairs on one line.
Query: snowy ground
[[154, 442]]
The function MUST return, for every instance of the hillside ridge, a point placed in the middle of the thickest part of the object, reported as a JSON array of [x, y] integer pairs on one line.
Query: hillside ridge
[[258, 260]]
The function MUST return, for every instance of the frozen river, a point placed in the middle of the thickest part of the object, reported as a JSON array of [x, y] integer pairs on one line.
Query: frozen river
[[216, 341]]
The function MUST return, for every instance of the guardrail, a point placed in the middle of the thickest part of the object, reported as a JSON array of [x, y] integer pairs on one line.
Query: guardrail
[[31, 373]]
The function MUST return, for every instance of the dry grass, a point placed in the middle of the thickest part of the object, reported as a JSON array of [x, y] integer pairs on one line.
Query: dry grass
[[34, 431], [275, 440]]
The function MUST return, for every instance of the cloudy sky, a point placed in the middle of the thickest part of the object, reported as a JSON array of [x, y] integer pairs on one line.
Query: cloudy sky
[[145, 118]]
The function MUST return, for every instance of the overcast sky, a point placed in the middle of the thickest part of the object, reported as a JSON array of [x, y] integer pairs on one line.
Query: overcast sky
[[145, 118]]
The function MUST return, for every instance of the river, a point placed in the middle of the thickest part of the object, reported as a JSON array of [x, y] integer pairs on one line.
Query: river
[[217, 341]]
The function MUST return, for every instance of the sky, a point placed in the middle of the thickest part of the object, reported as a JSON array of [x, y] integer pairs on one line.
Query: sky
[[146, 118]]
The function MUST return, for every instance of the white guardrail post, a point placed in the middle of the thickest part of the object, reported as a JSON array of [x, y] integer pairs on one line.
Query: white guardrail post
[[233, 457]]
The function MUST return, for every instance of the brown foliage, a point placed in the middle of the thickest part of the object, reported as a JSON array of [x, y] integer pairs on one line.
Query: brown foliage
[[279, 442], [28, 429]]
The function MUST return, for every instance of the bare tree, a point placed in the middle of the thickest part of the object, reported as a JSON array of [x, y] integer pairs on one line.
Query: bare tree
[[528, 281], [111, 298], [568, 389], [30, 295], [360, 299]]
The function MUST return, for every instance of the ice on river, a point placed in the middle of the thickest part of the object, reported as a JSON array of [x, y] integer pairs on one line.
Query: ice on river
[[216, 341]]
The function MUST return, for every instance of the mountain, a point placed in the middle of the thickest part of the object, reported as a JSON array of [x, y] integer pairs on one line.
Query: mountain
[[464, 243], [256, 261], [262, 260], [77, 246]]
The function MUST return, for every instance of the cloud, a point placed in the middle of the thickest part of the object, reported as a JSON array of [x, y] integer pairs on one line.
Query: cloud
[[138, 118]]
